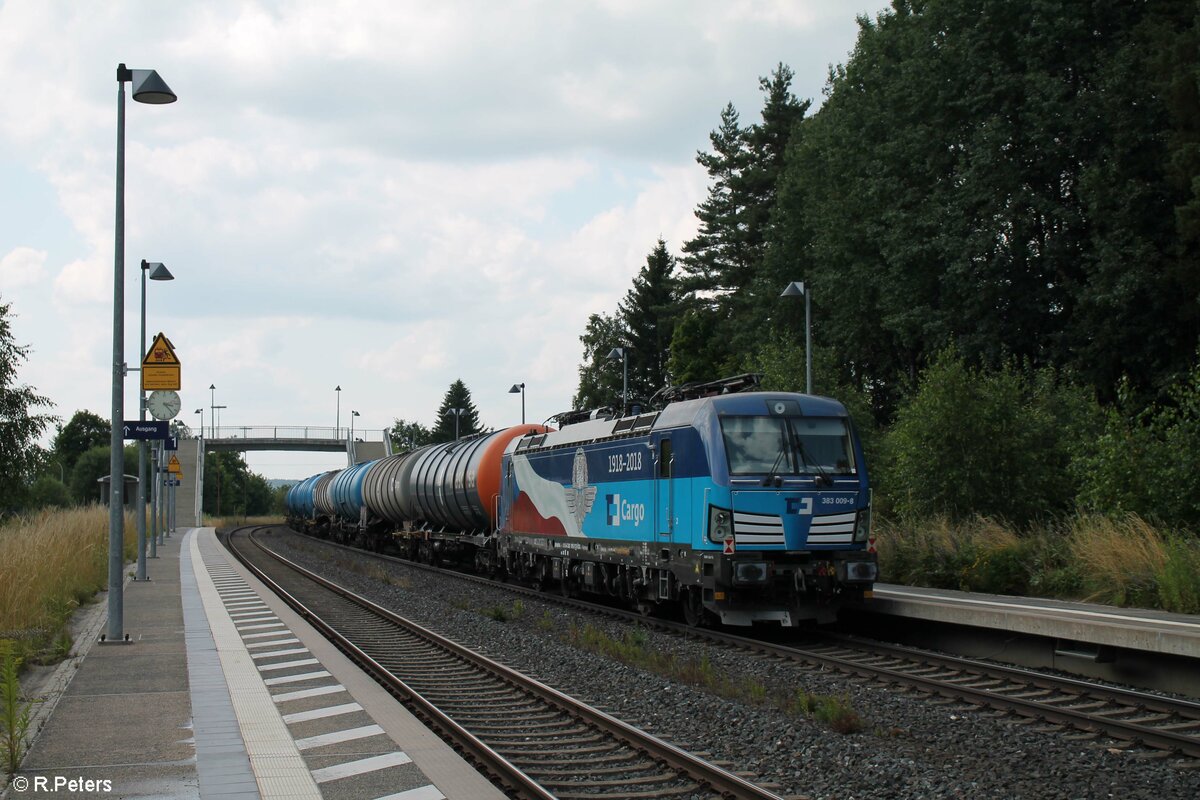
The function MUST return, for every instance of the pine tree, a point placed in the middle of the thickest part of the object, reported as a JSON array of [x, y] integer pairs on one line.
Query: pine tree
[[648, 313], [457, 396]]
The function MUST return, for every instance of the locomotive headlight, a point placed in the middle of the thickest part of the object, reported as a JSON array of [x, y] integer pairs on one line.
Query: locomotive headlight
[[720, 524], [862, 525]]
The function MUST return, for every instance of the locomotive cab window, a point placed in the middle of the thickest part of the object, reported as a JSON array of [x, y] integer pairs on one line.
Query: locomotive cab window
[[778, 445]]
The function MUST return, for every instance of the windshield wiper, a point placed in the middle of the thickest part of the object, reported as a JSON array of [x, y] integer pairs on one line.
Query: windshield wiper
[[772, 477], [823, 478]]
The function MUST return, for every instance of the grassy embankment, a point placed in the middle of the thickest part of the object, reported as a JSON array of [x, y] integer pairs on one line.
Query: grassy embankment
[[1119, 561], [51, 563], [223, 523]]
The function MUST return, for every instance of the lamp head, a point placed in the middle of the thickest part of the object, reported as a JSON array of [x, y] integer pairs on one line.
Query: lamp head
[[794, 289], [158, 271], [148, 87], [616, 353], [517, 388]]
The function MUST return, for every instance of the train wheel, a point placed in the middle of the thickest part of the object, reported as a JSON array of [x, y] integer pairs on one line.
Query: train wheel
[[694, 613]]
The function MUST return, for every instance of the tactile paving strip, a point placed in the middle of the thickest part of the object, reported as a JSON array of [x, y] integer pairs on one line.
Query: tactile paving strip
[[292, 710]]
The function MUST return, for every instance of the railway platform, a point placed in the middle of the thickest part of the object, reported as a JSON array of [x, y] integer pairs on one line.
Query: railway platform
[[1140, 647], [224, 692]]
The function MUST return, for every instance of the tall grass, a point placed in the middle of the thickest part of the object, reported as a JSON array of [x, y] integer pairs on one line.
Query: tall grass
[[1116, 560], [50, 563]]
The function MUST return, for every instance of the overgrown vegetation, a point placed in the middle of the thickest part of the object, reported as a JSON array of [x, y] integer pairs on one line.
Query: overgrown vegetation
[[15, 711], [1117, 560], [51, 563]]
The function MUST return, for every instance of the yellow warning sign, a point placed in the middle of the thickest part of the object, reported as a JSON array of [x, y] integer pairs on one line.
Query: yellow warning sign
[[160, 367], [173, 466], [160, 352]]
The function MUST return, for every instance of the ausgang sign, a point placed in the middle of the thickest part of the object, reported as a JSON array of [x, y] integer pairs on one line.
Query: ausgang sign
[[160, 367]]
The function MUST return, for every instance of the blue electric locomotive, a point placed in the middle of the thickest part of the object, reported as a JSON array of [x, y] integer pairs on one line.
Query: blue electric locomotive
[[743, 508]]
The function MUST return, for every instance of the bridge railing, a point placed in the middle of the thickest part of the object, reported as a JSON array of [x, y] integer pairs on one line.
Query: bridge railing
[[291, 432]]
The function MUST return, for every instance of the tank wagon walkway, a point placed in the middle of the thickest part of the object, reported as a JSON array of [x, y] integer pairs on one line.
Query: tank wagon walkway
[[225, 693]]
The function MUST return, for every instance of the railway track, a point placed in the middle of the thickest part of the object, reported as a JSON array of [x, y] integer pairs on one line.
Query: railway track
[[1169, 726], [534, 741]]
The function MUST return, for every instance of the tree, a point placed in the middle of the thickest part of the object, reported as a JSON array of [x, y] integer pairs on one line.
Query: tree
[[409, 435], [649, 312], [19, 427], [723, 264], [467, 423], [231, 489], [1018, 184], [84, 431], [84, 479], [985, 441], [599, 383]]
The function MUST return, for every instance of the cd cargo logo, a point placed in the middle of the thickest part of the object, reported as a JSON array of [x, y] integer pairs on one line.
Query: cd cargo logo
[[618, 510]]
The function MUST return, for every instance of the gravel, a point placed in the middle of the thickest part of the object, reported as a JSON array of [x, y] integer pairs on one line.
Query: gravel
[[909, 746]]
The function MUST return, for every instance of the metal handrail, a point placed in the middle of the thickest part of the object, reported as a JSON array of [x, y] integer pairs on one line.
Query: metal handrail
[[291, 432]]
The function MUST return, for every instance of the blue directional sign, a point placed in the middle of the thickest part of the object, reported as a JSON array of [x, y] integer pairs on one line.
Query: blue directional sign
[[146, 429]]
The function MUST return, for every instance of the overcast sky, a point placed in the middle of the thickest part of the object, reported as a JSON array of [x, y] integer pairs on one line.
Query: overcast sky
[[385, 196]]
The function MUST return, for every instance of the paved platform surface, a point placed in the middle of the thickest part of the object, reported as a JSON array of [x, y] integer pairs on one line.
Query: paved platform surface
[[223, 692], [1135, 629]]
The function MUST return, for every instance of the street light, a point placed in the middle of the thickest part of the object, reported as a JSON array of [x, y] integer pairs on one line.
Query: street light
[[158, 272], [796, 289], [200, 411], [148, 87], [212, 404], [338, 426], [614, 354], [350, 448], [520, 387], [457, 412]]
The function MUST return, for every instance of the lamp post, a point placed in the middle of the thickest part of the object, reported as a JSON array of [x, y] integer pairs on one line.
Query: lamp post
[[212, 404], [621, 353], [337, 427], [158, 272], [350, 448], [148, 87], [457, 412], [796, 289], [520, 387], [200, 411]]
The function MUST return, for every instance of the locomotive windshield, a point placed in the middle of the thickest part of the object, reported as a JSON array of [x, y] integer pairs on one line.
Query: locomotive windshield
[[788, 445]]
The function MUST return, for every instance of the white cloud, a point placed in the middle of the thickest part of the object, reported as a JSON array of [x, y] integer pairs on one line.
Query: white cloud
[[21, 266]]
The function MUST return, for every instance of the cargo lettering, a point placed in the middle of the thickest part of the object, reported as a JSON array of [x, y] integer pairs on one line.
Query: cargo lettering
[[619, 510]]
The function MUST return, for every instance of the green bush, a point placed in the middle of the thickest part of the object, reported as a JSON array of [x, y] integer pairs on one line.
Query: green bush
[[979, 442], [1147, 461]]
